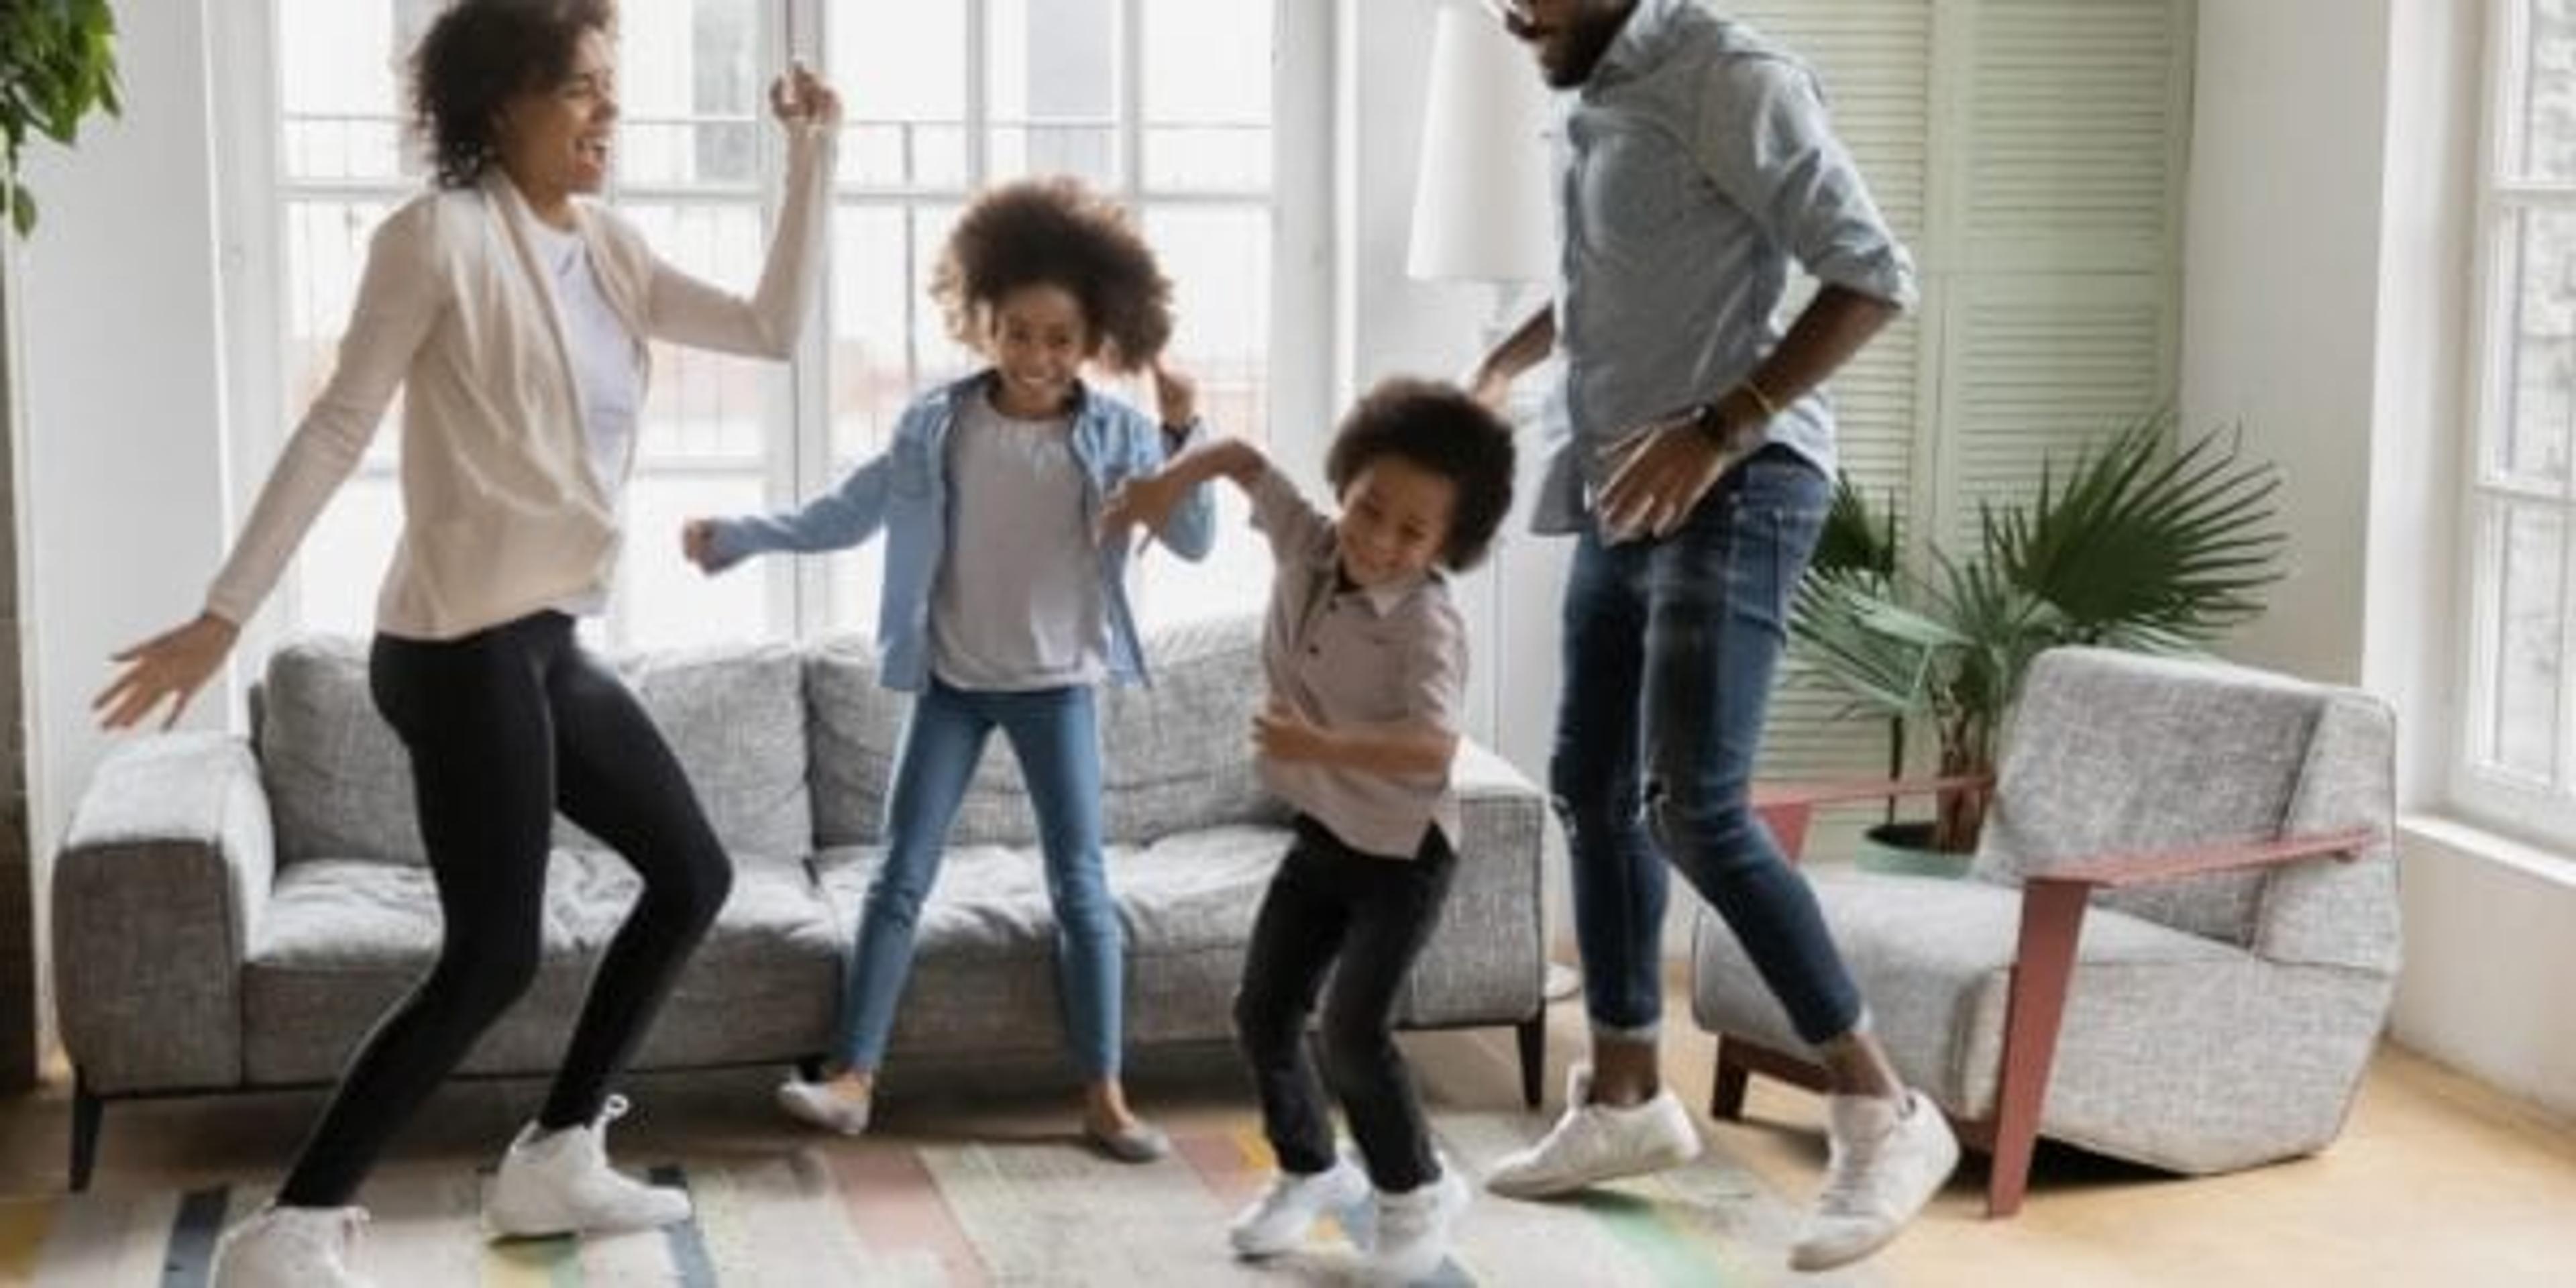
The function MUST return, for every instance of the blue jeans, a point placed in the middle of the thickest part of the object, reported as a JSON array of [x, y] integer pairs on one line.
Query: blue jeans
[[1056, 735], [1669, 650]]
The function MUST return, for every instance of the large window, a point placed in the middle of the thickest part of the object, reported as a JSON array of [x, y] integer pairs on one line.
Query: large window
[[1173, 105], [2518, 747]]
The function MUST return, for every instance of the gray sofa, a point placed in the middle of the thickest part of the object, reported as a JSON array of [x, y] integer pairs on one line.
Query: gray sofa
[[231, 914]]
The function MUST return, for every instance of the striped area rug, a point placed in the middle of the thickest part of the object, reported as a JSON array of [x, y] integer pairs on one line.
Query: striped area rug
[[884, 1212]]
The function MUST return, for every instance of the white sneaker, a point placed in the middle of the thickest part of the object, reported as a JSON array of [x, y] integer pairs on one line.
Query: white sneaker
[[560, 1183], [1413, 1228], [291, 1247], [1277, 1222], [1885, 1164], [815, 1104], [1595, 1143]]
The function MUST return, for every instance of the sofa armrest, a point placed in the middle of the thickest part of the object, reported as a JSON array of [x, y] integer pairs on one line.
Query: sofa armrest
[[1487, 961], [157, 891]]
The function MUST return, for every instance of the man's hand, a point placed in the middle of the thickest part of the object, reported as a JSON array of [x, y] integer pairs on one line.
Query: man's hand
[[1660, 471]]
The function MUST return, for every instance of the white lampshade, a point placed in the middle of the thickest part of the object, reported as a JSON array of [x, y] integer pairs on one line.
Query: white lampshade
[[1481, 209]]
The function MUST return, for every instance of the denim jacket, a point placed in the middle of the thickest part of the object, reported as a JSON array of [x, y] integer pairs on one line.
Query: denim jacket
[[904, 490]]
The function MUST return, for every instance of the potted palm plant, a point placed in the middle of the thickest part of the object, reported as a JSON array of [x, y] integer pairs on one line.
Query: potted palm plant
[[2142, 543]]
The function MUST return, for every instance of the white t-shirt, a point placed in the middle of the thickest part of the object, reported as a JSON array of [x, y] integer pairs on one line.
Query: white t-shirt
[[604, 361], [1017, 605]]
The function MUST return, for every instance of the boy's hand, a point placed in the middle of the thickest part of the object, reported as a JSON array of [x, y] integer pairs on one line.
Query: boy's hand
[[1282, 734], [698, 545], [1143, 500], [1176, 396]]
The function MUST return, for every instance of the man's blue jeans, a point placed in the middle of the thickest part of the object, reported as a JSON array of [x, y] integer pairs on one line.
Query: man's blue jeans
[[1670, 647], [1056, 735]]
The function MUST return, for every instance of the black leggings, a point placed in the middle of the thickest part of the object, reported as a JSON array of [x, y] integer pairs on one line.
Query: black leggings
[[504, 726]]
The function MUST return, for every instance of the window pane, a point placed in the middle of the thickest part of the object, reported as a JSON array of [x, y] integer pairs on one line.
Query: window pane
[[2540, 420], [689, 91], [662, 600], [2545, 124], [901, 69], [343, 559], [341, 79], [1219, 262], [1207, 62], [2529, 548], [888, 340], [1207, 158], [704, 404], [1051, 87]]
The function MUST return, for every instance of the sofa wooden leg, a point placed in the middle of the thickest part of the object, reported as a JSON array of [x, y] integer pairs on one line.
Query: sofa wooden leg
[[87, 1110], [1533, 1044], [1726, 1094]]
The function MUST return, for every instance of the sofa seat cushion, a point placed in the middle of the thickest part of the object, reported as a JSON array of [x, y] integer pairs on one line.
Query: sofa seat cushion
[[985, 946], [342, 940], [1933, 958]]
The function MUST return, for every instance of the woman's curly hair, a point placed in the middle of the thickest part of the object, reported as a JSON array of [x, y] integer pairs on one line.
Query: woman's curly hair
[[475, 56], [1438, 428], [1056, 232]]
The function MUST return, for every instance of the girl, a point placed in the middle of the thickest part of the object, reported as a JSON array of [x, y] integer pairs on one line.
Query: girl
[[1000, 608]]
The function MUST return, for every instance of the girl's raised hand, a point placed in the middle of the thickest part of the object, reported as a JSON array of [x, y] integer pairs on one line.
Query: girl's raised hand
[[1176, 396]]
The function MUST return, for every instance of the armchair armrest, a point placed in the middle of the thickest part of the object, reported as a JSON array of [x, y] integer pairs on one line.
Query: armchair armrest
[[2119, 871], [157, 891], [1787, 807]]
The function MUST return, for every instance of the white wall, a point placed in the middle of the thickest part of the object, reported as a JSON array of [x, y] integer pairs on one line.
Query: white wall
[[2325, 278], [124, 511], [2279, 289]]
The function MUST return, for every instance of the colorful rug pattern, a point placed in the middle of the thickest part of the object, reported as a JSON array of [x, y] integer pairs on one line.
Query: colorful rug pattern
[[954, 1216]]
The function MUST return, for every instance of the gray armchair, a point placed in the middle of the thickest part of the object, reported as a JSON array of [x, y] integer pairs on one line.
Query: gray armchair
[[2177, 945]]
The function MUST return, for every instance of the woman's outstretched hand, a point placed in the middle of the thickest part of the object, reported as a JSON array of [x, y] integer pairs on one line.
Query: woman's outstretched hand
[[799, 97], [173, 664]]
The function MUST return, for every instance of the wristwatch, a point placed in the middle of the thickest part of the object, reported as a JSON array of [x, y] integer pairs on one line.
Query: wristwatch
[[1709, 420]]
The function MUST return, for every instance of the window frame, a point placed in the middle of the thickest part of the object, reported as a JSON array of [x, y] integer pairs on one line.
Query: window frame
[[2478, 788], [797, 461]]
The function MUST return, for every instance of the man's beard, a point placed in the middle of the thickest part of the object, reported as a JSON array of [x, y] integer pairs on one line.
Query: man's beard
[[1586, 39]]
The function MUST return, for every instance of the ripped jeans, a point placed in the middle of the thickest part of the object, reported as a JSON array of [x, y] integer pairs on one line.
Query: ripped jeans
[[1670, 647]]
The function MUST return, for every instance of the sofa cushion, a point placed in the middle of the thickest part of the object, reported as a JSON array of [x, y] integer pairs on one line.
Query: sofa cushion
[[339, 781], [1176, 758], [343, 940], [986, 938]]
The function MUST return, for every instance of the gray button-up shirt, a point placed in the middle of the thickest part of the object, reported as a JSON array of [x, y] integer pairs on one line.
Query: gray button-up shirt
[[1696, 165], [1341, 658]]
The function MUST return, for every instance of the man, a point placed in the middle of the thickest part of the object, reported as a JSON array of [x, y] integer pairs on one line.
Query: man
[[1691, 454]]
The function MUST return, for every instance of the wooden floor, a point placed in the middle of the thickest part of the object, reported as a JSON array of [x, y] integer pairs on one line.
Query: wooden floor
[[2437, 1180]]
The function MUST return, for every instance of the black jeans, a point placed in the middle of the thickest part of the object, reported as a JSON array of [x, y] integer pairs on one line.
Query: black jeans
[[503, 727], [1374, 914]]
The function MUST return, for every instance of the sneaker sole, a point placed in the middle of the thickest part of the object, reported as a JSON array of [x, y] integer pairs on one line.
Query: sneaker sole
[[1661, 1160]]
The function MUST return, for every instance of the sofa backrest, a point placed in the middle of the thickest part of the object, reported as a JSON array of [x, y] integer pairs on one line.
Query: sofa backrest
[[339, 783], [2111, 751], [1176, 754]]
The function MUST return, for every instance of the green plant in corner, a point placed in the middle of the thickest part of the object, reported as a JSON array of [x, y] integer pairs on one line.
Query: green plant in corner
[[2144, 544], [57, 64]]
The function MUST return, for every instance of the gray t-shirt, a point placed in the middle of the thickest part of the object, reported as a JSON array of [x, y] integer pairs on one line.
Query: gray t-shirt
[[1017, 605]]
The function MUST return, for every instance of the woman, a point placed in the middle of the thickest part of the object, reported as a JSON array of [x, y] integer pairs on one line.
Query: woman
[[513, 316]]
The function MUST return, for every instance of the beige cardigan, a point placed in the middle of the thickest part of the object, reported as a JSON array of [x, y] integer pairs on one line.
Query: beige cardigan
[[502, 512]]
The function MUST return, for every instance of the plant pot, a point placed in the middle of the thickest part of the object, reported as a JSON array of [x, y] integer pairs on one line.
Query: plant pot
[[1905, 849]]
